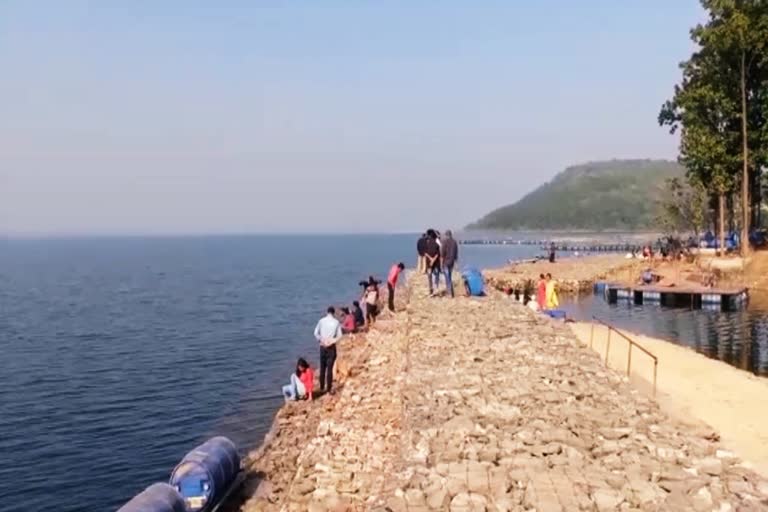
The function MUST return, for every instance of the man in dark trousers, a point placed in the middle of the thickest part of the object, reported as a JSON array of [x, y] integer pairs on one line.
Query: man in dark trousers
[[327, 333], [421, 267], [432, 255], [450, 254]]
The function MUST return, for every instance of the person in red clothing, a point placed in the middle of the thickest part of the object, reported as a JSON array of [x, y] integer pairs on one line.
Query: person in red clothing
[[348, 324], [307, 378], [394, 274], [302, 382], [541, 293]]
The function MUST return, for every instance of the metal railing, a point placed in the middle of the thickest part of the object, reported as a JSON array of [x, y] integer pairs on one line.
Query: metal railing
[[631, 342]]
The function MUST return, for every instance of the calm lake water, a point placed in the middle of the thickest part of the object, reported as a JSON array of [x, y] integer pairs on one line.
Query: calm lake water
[[739, 338], [119, 355]]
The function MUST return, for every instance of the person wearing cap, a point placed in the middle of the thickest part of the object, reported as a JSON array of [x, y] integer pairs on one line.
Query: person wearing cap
[[449, 252]]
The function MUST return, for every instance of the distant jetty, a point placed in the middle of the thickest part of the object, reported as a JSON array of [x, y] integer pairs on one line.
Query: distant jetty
[[559, 246]]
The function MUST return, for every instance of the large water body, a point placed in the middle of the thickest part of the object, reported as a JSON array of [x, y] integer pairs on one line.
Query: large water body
[[118, 355]]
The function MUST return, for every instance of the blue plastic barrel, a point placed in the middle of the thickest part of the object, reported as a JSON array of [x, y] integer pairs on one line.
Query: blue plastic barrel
[[156, 498], [474, 281], [206, 473]]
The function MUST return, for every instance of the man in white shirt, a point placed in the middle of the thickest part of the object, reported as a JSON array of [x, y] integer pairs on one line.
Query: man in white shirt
[[327, 333]]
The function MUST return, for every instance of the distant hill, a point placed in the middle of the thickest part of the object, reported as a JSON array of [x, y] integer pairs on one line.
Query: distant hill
[[615, 194]]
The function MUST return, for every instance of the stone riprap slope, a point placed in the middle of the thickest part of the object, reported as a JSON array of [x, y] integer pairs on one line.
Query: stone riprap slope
[[270, 470], [479, 404]]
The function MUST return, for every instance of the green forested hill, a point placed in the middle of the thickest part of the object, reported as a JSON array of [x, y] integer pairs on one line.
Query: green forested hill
[[615, 194]]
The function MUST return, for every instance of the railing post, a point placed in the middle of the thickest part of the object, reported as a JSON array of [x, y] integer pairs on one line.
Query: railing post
[[629, 352]]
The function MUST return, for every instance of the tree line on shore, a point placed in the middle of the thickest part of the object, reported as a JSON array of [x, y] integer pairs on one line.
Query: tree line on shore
[[720, 109]]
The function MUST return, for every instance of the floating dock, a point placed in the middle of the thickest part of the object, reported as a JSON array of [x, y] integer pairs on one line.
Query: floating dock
[[719, 299]]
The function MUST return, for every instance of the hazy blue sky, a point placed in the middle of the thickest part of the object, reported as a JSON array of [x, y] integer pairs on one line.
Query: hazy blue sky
[[181, 116]]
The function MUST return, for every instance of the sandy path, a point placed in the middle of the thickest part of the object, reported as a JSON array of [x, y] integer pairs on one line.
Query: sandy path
[[693, 386]]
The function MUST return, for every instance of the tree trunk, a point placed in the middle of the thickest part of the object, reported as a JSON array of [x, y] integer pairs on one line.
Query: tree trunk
[[756, 196], [721, 230], [730, 208], [745, 156]]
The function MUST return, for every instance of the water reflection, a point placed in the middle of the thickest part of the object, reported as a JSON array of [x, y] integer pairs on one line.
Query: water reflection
[[739, 338]]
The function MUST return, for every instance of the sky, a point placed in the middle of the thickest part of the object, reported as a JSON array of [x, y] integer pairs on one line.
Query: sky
[[185, 117]]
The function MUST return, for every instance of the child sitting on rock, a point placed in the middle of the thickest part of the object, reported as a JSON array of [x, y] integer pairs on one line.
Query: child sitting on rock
[[302, 382]]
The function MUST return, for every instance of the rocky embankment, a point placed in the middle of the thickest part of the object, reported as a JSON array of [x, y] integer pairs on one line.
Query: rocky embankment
[[573, 275], [480, 404], [270, 470]]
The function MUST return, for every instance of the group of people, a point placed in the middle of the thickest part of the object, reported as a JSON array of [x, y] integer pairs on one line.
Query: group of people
[[437, 254], [546, 295], [332, 327], [666, 252], [546, 292]]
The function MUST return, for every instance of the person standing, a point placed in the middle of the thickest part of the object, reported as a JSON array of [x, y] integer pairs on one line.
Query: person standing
[[552, 301], [541, 292], [371, 301], [421, 267], [394, 274], [449, 252], [327, 333], [432, 254], [552, 250]]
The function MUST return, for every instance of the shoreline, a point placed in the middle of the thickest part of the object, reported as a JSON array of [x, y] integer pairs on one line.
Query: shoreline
[[271, 466], [692, 385], [387, 440]]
